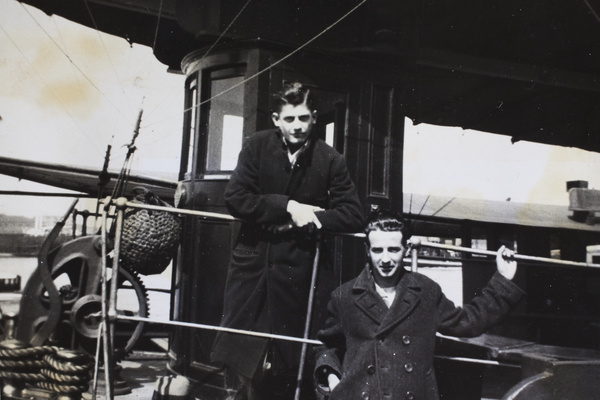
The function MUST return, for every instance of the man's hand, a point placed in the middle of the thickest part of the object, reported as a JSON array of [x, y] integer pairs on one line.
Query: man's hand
[[507, 265], [332, 380], [303, 214]]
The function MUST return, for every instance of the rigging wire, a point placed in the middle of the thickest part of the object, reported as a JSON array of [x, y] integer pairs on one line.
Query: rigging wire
[[123, 178], [58, 32], [106, 50], [442, 207], [157, 25], [207, 51], [163, 98], [71, 61], [414, 225], [64, 44], [73, 64], [587, 3], [424, 204], [266, 69], [283, 58], [210, 49], [56, 97], [226, 29]]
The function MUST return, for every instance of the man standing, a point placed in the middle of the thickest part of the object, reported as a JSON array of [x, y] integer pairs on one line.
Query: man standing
[[380, 334], [287, 185]]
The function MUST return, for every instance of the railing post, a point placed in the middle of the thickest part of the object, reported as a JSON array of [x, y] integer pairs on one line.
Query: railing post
[[106, 338]]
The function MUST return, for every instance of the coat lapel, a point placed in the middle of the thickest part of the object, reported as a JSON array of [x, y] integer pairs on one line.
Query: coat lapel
[[407, 298], [366, 298]]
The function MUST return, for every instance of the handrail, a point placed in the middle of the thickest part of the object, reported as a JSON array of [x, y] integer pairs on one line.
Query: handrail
[[110, 316]]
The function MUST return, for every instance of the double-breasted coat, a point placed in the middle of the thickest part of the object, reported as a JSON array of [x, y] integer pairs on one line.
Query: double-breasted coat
[[387, 354], [269, 275]]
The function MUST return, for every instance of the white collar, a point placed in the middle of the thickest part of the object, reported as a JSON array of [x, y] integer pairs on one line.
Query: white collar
[[293, 157], [387, 294]]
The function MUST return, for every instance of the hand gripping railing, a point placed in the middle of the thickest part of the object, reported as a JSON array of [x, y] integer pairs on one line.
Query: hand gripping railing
[[109, 295], [109, 313]]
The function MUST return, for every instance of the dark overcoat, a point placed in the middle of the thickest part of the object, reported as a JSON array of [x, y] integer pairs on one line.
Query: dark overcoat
[[269, 276], [382, 353]]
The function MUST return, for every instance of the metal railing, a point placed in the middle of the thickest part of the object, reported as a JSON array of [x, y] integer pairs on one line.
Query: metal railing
[[109, 313]]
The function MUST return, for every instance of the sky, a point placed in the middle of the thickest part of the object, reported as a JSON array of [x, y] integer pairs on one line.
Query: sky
[[450, 161], [68, 91]]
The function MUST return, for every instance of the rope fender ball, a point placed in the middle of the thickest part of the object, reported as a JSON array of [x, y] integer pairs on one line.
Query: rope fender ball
[[150, 238]]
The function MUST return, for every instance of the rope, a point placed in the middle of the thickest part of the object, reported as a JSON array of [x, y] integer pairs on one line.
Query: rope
[[21, 376], [22, 364], [47, 367], [67, 367], [27, 352], [58, 388]]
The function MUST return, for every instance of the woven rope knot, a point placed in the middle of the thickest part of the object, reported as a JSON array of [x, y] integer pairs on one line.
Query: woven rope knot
[[150, 238]]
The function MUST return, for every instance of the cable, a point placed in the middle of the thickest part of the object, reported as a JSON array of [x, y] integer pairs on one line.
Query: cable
[[106, 50], [157, 25], [50, 90], [71, 61], [207, 51], [278, 61]]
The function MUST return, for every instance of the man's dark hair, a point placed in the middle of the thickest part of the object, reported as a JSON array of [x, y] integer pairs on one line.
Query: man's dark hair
[[387, 221], [295, 94]]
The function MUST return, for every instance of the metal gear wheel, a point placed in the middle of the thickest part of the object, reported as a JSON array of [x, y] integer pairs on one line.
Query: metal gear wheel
[[77, 274]]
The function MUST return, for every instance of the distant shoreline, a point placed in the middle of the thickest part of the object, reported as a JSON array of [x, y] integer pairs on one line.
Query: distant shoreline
[[23, 245]]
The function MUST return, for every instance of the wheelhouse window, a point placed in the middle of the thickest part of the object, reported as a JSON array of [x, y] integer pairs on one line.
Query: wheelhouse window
[[189, 131], [213, 123], [224, 132]]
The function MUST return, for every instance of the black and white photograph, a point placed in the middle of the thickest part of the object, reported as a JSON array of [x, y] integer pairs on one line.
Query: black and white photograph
[[299, 200]]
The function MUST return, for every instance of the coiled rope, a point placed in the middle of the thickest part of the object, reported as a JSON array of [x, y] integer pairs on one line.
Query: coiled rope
[[47, 367]]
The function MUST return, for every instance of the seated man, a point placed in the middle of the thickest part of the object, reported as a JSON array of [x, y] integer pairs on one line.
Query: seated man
[[379, 337]]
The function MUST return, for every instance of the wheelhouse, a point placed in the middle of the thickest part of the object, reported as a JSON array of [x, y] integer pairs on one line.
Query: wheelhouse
[[362, 114]]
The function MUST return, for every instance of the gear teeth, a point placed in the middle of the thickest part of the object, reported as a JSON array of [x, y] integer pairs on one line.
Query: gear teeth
[[121, 353]]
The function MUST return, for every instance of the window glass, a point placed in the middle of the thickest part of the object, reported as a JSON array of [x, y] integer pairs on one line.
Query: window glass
[[330, 134], [225, 123], [191, 115]]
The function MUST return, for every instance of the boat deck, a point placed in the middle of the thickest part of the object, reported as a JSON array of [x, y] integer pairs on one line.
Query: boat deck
[[138, 376]]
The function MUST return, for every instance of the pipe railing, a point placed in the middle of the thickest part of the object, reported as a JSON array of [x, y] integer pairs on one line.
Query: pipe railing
[[109, 313], [416, 243]]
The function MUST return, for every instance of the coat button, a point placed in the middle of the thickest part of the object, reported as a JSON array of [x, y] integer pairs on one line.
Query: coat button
[[365, 396], [408, 367], [371, 369], [410, 396], [406, 339]]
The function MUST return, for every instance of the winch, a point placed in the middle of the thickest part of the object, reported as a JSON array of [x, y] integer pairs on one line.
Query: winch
[[50, 352]]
